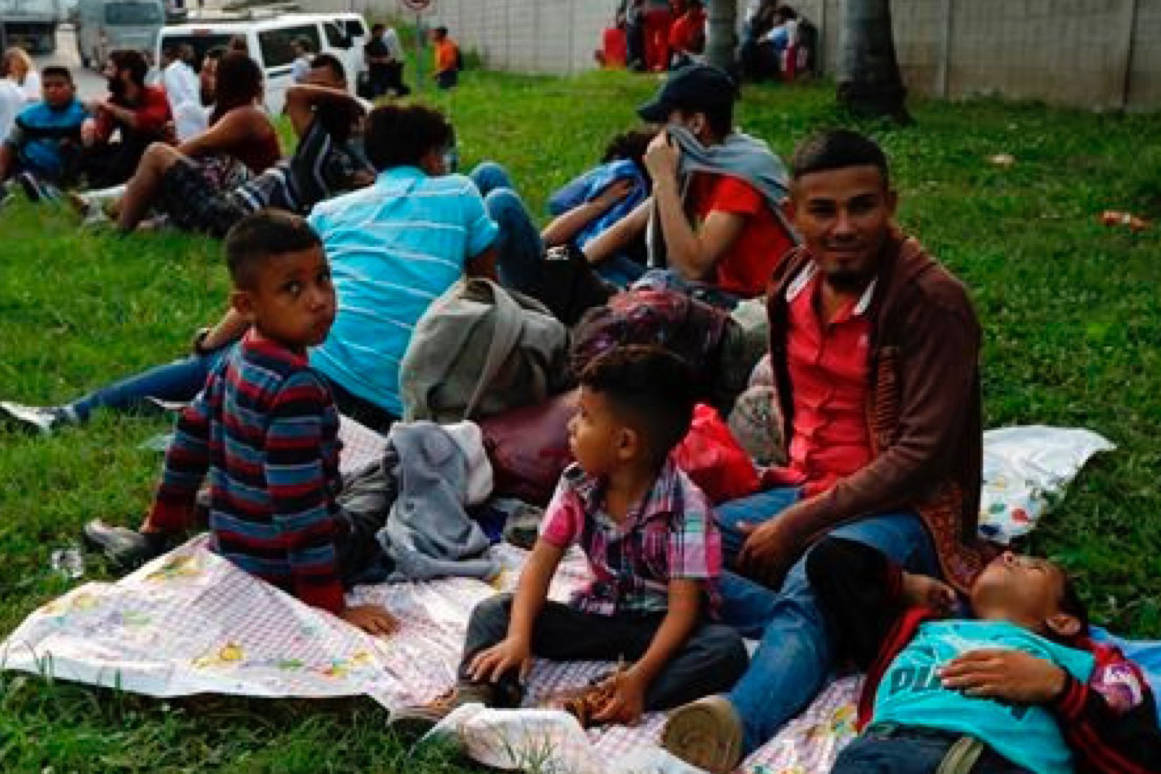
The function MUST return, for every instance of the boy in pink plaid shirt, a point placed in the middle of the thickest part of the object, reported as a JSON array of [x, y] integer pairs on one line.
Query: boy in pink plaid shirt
[[652, 545]]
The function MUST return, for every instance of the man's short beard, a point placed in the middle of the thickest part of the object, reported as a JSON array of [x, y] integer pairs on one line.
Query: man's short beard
[[116, 86], [847, 280]]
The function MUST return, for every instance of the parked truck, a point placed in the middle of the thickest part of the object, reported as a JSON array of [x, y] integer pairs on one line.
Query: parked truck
[[30, 23]]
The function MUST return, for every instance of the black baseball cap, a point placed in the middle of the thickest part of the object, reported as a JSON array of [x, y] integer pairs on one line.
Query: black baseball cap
[[693, 87]]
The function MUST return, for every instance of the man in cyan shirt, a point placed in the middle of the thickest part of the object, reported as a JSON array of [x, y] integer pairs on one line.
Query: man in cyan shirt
[[45, 138]]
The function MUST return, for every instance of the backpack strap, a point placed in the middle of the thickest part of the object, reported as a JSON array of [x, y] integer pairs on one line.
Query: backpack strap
[[509, 325]]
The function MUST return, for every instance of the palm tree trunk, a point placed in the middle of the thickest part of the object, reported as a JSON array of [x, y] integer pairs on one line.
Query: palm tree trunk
[[868, 72], [722, 40]]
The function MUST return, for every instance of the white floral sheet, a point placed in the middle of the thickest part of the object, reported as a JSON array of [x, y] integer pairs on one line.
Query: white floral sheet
[[191, 622]]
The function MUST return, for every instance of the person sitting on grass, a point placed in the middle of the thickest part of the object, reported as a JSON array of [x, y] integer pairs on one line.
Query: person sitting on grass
[[323, 165], [240, 142], [652, 546], [125, 122], [44, 143], [264, 431], [1019, 688], [716, 207], [416, 223]]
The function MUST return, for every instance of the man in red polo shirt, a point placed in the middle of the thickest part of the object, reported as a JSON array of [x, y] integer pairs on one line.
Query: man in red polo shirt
[[687, 35], [874, 349], [137, 114]]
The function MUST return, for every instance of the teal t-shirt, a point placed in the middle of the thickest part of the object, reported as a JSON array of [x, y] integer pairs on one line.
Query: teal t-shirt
[[910, 693]]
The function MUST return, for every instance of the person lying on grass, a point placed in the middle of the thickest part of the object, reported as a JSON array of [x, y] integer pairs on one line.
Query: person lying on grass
[[264, 430], [652, 546], [1020, 687]]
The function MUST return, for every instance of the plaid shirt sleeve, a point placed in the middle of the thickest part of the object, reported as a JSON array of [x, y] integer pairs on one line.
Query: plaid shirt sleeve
[[564, 517], [695, 544]]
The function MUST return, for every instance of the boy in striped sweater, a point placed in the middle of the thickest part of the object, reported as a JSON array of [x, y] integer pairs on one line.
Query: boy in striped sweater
[[265, 429]]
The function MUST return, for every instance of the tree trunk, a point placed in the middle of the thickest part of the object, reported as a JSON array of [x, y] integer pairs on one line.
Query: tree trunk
[[722, 39], [868, 80]]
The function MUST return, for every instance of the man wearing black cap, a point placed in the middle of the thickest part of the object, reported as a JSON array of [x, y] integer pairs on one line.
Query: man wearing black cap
[[716, 208]]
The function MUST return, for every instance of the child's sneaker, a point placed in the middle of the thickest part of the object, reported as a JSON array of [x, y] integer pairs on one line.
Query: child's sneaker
[[412, 723], [126, 548], [706, 733]]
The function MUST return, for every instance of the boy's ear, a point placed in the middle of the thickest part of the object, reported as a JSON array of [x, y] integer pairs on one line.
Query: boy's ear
[[1063, 625], [628, 443], [243, 304]]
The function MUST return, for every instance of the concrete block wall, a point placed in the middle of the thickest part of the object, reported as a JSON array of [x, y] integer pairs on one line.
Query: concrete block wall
[[1089, 53]]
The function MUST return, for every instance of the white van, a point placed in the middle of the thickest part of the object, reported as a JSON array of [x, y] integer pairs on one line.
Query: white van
[[270, 42], [103, 26]]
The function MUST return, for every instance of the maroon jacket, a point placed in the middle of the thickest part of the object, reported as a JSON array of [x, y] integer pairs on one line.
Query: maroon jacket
[[923, 408]]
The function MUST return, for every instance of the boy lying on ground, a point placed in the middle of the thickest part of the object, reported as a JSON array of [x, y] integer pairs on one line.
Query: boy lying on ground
[[265, 431], [1020, 688], [654, 551]]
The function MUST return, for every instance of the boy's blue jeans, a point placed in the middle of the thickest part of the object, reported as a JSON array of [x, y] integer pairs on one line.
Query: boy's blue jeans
[[794, 655], [901, 750]]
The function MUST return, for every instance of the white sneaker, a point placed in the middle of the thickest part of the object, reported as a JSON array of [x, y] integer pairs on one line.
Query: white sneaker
[[43, 419]]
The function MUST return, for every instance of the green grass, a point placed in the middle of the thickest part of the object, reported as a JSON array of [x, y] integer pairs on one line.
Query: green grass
[[1071, 313]]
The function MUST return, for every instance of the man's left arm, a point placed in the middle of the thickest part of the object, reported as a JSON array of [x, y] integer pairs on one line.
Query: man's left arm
[[939, 354]]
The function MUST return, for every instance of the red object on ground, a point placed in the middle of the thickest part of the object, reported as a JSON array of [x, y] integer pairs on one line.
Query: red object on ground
[[614, 47], [657, 23], [712, 457], [790, 62]]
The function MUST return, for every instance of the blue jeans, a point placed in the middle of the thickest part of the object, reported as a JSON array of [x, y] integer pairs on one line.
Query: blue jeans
[[891, 750], [180, 380], [519, 249], [794, 654]]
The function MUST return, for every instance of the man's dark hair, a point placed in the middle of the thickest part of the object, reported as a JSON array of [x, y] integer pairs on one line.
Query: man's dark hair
[[332, 63], [629, 145], [837, 149], [441, 31], [133, 62], [400, 136], [56, 71], [378, 27], [303, 42], [239, 82], [651, 388], [261, 236], [217, 52], [169, 52]]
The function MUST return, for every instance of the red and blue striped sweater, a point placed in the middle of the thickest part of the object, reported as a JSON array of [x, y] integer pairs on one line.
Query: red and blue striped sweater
[[265, 430]]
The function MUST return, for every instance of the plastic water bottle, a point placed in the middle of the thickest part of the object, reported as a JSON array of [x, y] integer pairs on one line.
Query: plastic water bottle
[[69, 562]]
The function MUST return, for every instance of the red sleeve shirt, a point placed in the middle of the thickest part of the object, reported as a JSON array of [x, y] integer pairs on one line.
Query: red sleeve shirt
[[746, 267], [152, 115]]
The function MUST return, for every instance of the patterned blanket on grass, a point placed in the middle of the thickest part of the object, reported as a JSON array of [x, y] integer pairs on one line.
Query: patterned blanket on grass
[[190, 622]]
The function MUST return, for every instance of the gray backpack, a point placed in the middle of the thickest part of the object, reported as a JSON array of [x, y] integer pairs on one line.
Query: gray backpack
[[480, 350]]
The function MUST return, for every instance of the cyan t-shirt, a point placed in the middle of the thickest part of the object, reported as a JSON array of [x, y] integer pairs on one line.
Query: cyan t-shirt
[[910, 692], [394, 247], [41, 131]]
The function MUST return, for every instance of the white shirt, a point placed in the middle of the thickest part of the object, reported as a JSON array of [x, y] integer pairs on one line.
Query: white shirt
[[11, 103], [31, 86], [183, 91], [394, 47], [181, 84]]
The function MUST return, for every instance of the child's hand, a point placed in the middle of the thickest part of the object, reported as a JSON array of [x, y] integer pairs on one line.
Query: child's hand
[[489, 665], [1009, 675], [372, 619], [925, 591], [627, 703]]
